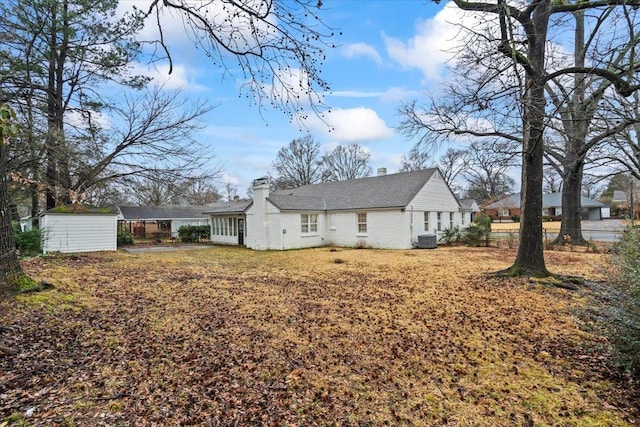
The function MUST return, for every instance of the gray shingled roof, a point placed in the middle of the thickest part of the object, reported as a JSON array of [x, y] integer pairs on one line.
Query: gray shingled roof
[[512, 201], [155, 213], [387, 191], [551, 200], [468, 204], [240, 206]]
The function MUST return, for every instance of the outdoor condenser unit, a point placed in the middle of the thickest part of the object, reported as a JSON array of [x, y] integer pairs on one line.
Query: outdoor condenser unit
[[427, 241]]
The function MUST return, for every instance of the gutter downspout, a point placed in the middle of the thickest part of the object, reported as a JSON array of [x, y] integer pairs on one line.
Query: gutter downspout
[[411, 227]]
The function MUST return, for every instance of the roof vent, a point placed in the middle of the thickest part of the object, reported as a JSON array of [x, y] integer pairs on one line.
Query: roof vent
[[382, 171]]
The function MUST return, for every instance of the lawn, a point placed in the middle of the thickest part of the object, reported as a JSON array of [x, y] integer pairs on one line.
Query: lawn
[[232, 337]]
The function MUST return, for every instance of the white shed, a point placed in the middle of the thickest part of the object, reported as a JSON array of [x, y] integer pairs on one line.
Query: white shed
[[78, 228]]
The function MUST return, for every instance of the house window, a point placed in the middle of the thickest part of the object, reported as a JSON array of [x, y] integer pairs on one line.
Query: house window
[[426, 221], [362, 223], [504, 212], [439, 221], [450, 219], [224, 226], [309, 223]]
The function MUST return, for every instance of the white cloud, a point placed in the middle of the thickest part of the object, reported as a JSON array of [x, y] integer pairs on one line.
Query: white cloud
[[353, 125], [431, 47], [393, 162], [356, 94], [396, 94], [362, 49], [392, 94], [233, 26], [75, 118], [179, 78]]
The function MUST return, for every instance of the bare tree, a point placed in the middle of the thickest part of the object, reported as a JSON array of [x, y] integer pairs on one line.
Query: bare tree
[[69, 51], [156, 188], [416, 159], [202, 191], [578, 118], [509, 63], [551, 180], [486, 170], [350, 162], [451, 164], [626, 144], [231, 191], [299, 163], [277, 45], [593, 186], [156, 125]]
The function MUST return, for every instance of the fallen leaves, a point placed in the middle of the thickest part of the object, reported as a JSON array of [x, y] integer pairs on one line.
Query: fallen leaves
[[228, 336]]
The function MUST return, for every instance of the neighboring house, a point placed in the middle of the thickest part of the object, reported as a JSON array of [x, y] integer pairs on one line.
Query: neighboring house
[[620, 203], [159, 221], [387, 211], [471, 206], [619, 197], [78, 228], [509, 207]]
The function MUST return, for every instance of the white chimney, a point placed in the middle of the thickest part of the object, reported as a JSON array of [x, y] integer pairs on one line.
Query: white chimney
[[257, 227], [382, 171]]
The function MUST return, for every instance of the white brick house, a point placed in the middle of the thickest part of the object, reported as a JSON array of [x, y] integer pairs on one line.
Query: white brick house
[[385, 211]]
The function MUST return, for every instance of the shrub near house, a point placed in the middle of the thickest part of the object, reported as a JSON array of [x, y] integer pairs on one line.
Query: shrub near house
[[624, 297], [29, 243], [194, 233]]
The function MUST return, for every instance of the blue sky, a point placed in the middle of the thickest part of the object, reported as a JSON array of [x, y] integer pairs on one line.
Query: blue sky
[[389, 51]]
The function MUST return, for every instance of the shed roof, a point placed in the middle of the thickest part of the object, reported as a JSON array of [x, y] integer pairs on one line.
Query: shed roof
[[378, 192], [156, 213], [80, 208]]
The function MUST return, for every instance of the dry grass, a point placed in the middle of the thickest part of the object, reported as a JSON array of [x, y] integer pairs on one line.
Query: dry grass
[[548, 226], [227, 336]]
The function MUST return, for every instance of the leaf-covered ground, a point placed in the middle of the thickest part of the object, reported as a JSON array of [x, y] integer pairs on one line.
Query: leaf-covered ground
[[232, 337]]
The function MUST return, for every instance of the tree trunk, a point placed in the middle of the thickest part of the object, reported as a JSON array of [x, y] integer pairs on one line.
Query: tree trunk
[[9, 265], [571, 225], [576, 125], [530, 258]]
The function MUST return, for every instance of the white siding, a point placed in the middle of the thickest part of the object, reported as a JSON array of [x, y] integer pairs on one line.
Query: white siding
[[434, 197], [274, 230], [225, 240], [72, 232], [257, 225], [385, 229], [293, 237]]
